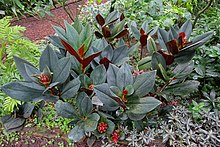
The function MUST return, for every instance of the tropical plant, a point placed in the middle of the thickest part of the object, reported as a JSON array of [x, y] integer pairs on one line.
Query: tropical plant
[[92, 84]]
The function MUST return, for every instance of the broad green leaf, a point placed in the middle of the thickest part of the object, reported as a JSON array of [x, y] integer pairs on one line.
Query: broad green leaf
[[124, 76], [130, 89], [23, 91], [98, 75], [90, 124], [86, 106], [111, 126], [48, 58], [186, 28], [76, 133], [144, 83], [51, 86], [61, 32], [145, 63], [162, 38], [183, 70], [115, 91], [62, 70], [103, 93], [151, 45], [118, 28], [157, 58], [32, 72], [20, 64], [135, 32], [77, 25], [72, 36], [27, 110], [55, 40], [65, 109], [85, 33], [182, 89], [173, 33], [14, 124], [163, 72], [113, 16], [202, 38], [120, 55], [144, 26], [134, 116], [184, 56], [111, 74], [142, 105], [71, 89]]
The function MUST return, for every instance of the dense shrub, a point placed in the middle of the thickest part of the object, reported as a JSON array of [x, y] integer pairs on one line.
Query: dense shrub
[[91, 83]]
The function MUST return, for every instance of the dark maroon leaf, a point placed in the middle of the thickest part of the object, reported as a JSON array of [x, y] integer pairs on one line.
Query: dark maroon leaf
[[106, 32], [122, 17], [168, 57], [100, 20], [89, 59], [122, 33], [87, 91], [81, 51], [71, 50], [142, 32], [143, 40], [172, 47], [120, 102], [105, 61]]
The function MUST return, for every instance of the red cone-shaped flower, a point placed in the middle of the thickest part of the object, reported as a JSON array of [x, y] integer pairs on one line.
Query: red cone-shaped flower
[[125, 92], [44, 79], [115, 136], [102, 127]]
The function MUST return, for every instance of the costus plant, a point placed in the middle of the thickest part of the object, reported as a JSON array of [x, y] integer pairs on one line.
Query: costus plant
[[91, 82]]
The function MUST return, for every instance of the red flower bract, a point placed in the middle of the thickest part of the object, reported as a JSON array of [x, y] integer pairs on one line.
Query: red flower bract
[[125, 92], [44, 79], [102, 127], [115, 136]]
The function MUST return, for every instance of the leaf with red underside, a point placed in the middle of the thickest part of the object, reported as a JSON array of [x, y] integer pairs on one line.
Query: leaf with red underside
[[87, 91], [105, 61], [122, 33], [81, 51], [168, 57], [120, 102], [142, 31], [100, 19], [143, 40], [71, 50], [89, 59], [122, 17], [172, 47], [106, 32], [182, 40]]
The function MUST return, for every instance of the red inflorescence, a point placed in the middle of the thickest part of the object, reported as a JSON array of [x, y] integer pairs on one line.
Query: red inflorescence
[[125, 92], [115, 136], [44, 79], [91, 87], [102, 127]]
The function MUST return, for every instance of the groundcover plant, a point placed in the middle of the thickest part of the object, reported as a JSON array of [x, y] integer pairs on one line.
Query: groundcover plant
[[90, 81]]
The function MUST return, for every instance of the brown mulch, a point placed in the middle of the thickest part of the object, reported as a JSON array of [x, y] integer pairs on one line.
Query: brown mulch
[[39, 28]]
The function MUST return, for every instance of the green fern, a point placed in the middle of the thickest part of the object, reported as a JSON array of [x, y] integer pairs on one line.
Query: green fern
[[12, 43], [9, 104]]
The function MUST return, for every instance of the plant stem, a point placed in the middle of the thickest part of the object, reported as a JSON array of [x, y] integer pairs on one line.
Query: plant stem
[[203, 10]]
